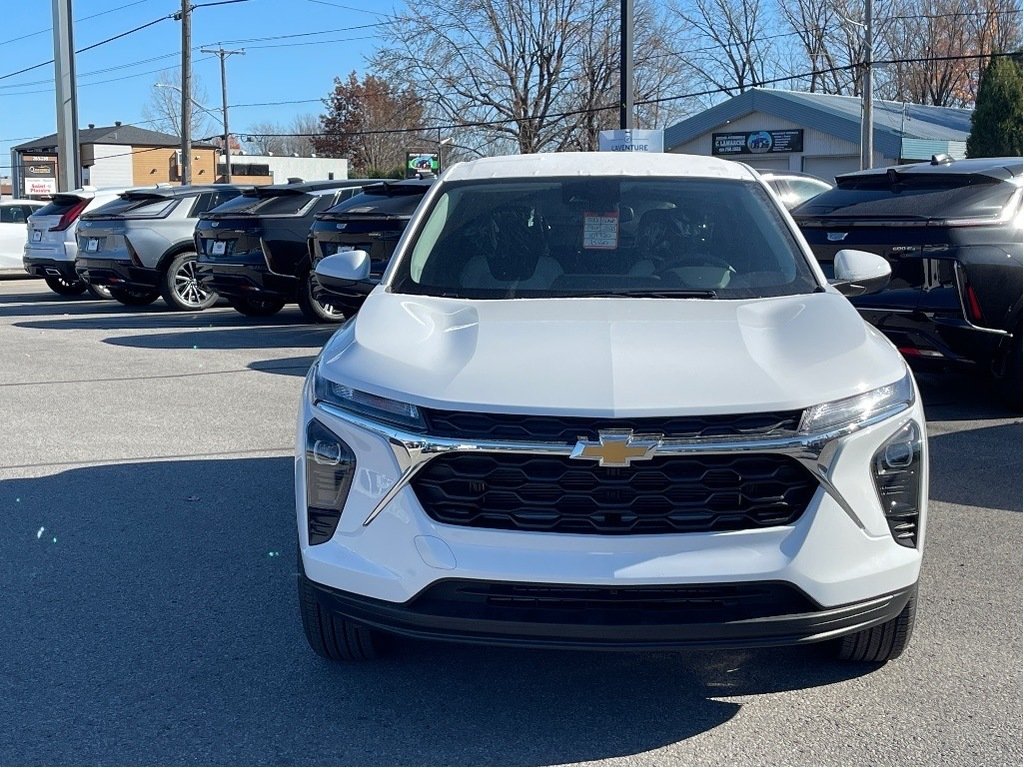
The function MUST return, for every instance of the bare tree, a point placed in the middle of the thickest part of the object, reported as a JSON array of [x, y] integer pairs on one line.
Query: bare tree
[[727, 42], [302, 128], [528, 75], [163, 109], [264, 138]]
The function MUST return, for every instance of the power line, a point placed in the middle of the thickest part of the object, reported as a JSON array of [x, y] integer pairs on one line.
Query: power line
[[572, 113], [90, 47], [84, 18]]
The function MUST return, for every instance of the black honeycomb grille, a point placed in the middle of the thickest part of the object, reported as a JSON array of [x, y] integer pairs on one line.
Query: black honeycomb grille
[[668, 494], [468, 425]]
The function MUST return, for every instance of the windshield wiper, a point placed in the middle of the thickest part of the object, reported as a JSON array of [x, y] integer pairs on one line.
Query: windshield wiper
[[657, 293]]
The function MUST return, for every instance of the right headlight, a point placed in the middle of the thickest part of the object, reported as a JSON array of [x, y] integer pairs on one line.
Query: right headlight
[[887, 400]]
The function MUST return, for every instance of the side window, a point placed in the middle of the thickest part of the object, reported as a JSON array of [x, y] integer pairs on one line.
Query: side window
[[805, 189], [7, 214], [28, 210], [201, 205]]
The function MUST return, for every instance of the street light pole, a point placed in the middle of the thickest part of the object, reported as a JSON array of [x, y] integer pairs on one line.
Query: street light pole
[[186, 92], [224, 102], [626, 64], [867, 149]]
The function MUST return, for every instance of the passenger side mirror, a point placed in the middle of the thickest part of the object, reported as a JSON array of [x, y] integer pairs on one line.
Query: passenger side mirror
[[859, 272], [343, 269]]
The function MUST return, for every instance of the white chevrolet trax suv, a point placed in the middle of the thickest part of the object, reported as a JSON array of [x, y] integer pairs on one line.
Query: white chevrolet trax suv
[[609, 401]]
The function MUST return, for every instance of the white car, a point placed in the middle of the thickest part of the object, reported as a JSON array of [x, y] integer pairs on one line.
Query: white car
[[51, 248], [13, 232], [609, 401]]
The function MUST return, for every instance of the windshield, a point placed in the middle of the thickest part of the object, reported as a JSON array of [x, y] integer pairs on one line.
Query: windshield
[[603, 236], [261, 203], [134, 206]]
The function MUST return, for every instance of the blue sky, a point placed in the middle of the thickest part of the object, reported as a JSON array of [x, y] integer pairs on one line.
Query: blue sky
[[115, 80]]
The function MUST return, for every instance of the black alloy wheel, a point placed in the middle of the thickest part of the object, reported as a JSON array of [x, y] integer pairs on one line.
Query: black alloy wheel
[[316, 311], [134, 297], [65, 287]]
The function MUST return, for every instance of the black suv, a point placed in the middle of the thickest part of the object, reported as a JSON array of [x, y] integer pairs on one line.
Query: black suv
[[372, 221], [951, 231], [252, 250]]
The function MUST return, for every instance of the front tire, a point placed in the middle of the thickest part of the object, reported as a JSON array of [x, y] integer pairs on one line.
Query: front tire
[[257, 307], [315, 311], [181, 288], [134, 297], [64, 287], [331, 636], [884, 642]]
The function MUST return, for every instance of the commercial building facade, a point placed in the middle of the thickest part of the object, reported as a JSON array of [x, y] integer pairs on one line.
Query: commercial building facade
[[817, 133]]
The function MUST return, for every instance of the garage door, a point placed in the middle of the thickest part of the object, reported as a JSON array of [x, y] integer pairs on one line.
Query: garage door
[[828, 168], [768, 163]]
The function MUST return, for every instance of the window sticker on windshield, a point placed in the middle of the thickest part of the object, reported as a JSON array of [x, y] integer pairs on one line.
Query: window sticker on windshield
[[600, 230]]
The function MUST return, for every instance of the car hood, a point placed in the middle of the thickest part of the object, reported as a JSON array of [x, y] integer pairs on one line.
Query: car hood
[[611, 357]]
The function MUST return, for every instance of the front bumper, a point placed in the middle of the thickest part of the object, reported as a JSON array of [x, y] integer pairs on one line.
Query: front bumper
[[544, 616], [240, 281], [115, 273], [839, 554]]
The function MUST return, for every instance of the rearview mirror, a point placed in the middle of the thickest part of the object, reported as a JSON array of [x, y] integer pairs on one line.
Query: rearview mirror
[[859, 272], [343, 269]]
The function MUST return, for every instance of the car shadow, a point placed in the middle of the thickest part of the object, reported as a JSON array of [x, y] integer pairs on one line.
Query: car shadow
[[959, 396], [971, 467], [287, 366], [149, 613]]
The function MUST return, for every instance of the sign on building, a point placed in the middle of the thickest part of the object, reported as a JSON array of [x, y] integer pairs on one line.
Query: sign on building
[[40, 176], [421, 162], [757, 142], [631, 140]]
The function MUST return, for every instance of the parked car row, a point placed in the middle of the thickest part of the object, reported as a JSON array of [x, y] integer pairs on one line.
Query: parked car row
[[254, 246]]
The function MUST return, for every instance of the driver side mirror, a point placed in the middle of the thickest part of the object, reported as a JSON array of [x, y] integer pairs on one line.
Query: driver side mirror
[[859, 272]]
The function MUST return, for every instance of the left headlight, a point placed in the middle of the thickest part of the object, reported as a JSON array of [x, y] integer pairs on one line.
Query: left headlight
[[364, 404], [883, 401]]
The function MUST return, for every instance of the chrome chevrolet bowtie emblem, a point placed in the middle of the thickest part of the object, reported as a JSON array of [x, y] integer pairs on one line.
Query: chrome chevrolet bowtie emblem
[[616, 447]]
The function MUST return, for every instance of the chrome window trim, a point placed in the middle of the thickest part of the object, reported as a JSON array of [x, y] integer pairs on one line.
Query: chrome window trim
[[816, 452]]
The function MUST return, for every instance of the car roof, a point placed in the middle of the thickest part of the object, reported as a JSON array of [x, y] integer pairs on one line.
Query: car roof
[[1004, 168], [790, 175], [181, 191], [19, 201], [309, 186], [625, 164]]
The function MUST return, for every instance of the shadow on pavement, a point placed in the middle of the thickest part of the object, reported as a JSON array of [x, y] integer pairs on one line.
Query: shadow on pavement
[[149, 617], [287, 366], [978, 467], [254, 337], [959, 396]]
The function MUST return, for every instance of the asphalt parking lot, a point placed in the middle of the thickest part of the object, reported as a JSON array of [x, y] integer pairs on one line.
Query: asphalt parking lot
[[148, 612]]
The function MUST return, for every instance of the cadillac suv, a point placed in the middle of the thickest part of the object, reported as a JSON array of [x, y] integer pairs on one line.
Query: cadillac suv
[[253, 250], [951, 232], [141, 245]]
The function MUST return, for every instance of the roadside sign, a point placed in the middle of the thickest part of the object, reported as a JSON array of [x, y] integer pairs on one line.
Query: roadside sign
[[631, 140]]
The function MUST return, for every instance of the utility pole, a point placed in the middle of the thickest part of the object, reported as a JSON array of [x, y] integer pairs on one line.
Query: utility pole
[[867, 148], [224, 102], [69, 166], [626, 64], [186, 91]]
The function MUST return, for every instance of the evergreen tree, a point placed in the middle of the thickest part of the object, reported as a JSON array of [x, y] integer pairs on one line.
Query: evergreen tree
[[996, 124]]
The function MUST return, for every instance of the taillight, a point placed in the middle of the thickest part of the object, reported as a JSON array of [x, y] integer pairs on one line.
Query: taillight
[[69, 216], [973, 305]]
